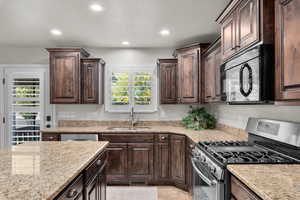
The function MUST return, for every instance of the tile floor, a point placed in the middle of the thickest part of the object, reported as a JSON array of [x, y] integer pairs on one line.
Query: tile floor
[[146, 193]]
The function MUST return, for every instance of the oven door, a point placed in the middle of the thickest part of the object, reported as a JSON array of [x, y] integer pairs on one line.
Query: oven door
[[205, 186]]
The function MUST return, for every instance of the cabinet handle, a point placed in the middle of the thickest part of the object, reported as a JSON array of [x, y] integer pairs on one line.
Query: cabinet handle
[[98, 162], [51, 137], [72, 193]]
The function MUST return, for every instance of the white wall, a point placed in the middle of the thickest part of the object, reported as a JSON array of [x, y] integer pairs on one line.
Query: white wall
[[237, 115], [112, 56]]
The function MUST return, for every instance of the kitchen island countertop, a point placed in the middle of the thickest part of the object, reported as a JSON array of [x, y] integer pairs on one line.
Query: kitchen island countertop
[[270, 182], [41, 170]]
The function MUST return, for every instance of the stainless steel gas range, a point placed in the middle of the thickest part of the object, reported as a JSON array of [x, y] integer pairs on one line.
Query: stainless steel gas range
[[269, 142]]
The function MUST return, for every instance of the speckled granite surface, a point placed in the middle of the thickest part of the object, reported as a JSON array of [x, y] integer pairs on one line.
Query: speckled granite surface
[[40, 170], [196, 136], [270, 182]]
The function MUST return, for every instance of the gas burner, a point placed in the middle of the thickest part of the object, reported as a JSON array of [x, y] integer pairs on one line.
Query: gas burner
[[252, 157], [226, 143]]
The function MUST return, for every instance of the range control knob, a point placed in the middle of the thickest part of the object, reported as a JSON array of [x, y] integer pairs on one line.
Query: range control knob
[[203, 158], [213, 169]]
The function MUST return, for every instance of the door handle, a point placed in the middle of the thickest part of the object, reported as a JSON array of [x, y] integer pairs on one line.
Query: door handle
[[246, 93]]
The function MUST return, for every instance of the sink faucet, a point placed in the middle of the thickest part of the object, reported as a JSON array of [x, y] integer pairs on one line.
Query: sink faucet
[[132, 118]]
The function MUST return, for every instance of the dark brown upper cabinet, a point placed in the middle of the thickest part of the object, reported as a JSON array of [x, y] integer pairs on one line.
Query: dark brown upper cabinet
[[211, 60], [74, 79], [287, 48], [245, 23], [92, 70], [189, 73], [168, 80]]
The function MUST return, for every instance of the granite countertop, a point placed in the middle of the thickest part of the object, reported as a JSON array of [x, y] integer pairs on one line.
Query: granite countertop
[[270, 182], [196, 136], [40, 170]]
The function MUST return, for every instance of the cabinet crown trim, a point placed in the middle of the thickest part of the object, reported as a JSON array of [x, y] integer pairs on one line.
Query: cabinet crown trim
[[81, 50]]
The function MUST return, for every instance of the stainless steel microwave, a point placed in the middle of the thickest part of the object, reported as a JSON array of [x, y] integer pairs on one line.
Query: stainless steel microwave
[[249, 77]]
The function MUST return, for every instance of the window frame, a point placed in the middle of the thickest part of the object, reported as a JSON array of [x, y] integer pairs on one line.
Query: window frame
[[151, 108]]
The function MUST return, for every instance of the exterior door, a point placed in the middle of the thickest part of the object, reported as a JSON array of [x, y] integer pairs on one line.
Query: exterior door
[[247, 23], [140, 162], [24, 105], [287, 49], [2, 128], [188, 76]]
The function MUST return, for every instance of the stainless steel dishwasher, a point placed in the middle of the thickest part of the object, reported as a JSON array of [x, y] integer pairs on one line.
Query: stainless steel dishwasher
[[79, 137]]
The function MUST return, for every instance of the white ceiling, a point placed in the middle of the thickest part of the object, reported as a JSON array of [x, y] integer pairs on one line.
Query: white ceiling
[[28, 22]]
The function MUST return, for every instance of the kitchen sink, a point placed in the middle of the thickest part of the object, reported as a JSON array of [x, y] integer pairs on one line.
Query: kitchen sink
[[128, 128]]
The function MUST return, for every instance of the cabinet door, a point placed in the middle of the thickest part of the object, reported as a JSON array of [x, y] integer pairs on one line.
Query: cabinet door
[[178, 159], [162, 162], [287, 49], [209, 78], [168, 82], [92, 190], [64, 77], [228, 36], [90, 81], [102, 186], [188, 75], [117, 163], [140, 162], [189, 167], [217, 66], [247, 23]]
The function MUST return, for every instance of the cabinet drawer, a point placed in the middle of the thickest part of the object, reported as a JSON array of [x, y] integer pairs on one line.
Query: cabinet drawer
[[97, 165], [163, 138], [123, 138], [73, 191], [50, 137], [241, 192]]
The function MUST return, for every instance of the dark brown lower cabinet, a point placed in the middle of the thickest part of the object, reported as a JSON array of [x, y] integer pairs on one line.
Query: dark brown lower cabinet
[[90, 184], [160, 159], [241, 192], [96, 189], [140, 162], [189, 167], [178, 161], [162, 167], [117, 172]]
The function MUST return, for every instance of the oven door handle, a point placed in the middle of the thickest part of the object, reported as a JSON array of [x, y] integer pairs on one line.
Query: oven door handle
[[204, 178]]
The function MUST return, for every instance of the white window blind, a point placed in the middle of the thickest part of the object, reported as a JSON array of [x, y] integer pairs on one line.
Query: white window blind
[[134, 87], [25, 107]]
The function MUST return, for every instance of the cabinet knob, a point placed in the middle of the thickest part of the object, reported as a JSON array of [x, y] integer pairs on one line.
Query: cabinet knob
[[163, 137], [98, 162], [72, 193], [51, 137], [192, 146]]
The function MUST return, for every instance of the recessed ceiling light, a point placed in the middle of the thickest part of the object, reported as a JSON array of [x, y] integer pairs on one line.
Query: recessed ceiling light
[[96, 7], [55, 32], [164, 32], [125, 43]]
